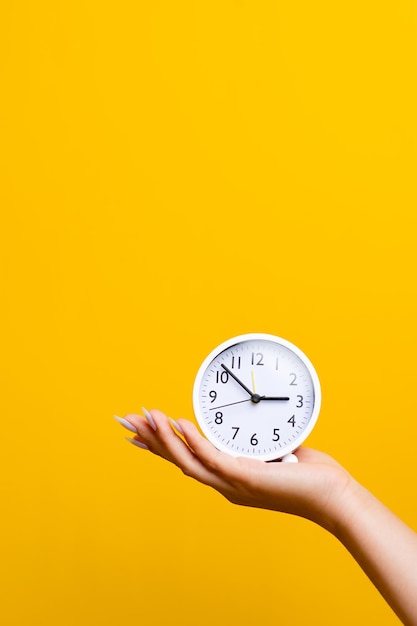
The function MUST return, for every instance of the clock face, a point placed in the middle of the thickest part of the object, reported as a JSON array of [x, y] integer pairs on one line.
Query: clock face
[[257, 396]]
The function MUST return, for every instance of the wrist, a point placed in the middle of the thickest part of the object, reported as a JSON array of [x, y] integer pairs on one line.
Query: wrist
[[347, 508], [338, 501]]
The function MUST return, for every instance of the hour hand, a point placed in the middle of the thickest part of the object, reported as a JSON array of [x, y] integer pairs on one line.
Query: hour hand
[[282, 398]]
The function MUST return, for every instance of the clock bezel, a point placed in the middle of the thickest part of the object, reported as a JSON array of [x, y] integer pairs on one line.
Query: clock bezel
[[225, 345]]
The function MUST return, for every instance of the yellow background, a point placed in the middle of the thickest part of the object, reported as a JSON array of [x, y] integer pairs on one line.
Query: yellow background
[[174, 174]]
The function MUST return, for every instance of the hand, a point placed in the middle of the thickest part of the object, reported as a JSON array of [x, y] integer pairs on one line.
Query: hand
[[316, 488], [309, 488]]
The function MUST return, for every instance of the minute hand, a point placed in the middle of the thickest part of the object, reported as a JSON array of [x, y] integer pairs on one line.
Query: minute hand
[[255, 397]]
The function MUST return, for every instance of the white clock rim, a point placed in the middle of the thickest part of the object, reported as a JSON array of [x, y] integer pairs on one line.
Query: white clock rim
[[254, 337]]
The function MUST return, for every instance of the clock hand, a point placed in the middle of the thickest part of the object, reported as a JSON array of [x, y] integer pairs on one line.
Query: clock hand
[[274, 398], [255, 397], [253, 381], [214, 408], [237, 380]]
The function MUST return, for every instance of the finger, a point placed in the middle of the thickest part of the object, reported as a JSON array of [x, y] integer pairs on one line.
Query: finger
[[181, 454], [164, 442], [218, 462]]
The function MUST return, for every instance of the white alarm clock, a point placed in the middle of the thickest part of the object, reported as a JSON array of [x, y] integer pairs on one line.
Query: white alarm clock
[[257, 395]]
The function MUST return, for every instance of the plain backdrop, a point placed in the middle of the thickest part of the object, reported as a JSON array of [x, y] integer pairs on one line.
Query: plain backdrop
[[174, 174]]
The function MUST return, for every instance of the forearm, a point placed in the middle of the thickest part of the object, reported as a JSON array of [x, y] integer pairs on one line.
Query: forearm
[[384, 547]]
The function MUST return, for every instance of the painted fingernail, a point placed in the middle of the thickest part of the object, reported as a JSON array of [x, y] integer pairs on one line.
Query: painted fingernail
[[125, 423], [137, 443], [289, 458], [176, 426], [149, 418]]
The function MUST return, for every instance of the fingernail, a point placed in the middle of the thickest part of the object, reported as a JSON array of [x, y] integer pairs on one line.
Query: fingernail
[[176, 426], [137, 443], [289, 458], [125, 423], [149, 418]]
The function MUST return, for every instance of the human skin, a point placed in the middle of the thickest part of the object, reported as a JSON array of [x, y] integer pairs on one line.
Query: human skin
[[316, 488]]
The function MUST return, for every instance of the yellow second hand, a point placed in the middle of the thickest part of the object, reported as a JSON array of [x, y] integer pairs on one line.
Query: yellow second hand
[[253, 382]]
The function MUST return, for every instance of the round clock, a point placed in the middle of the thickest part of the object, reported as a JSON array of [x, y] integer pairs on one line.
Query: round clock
[[258, 396]]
